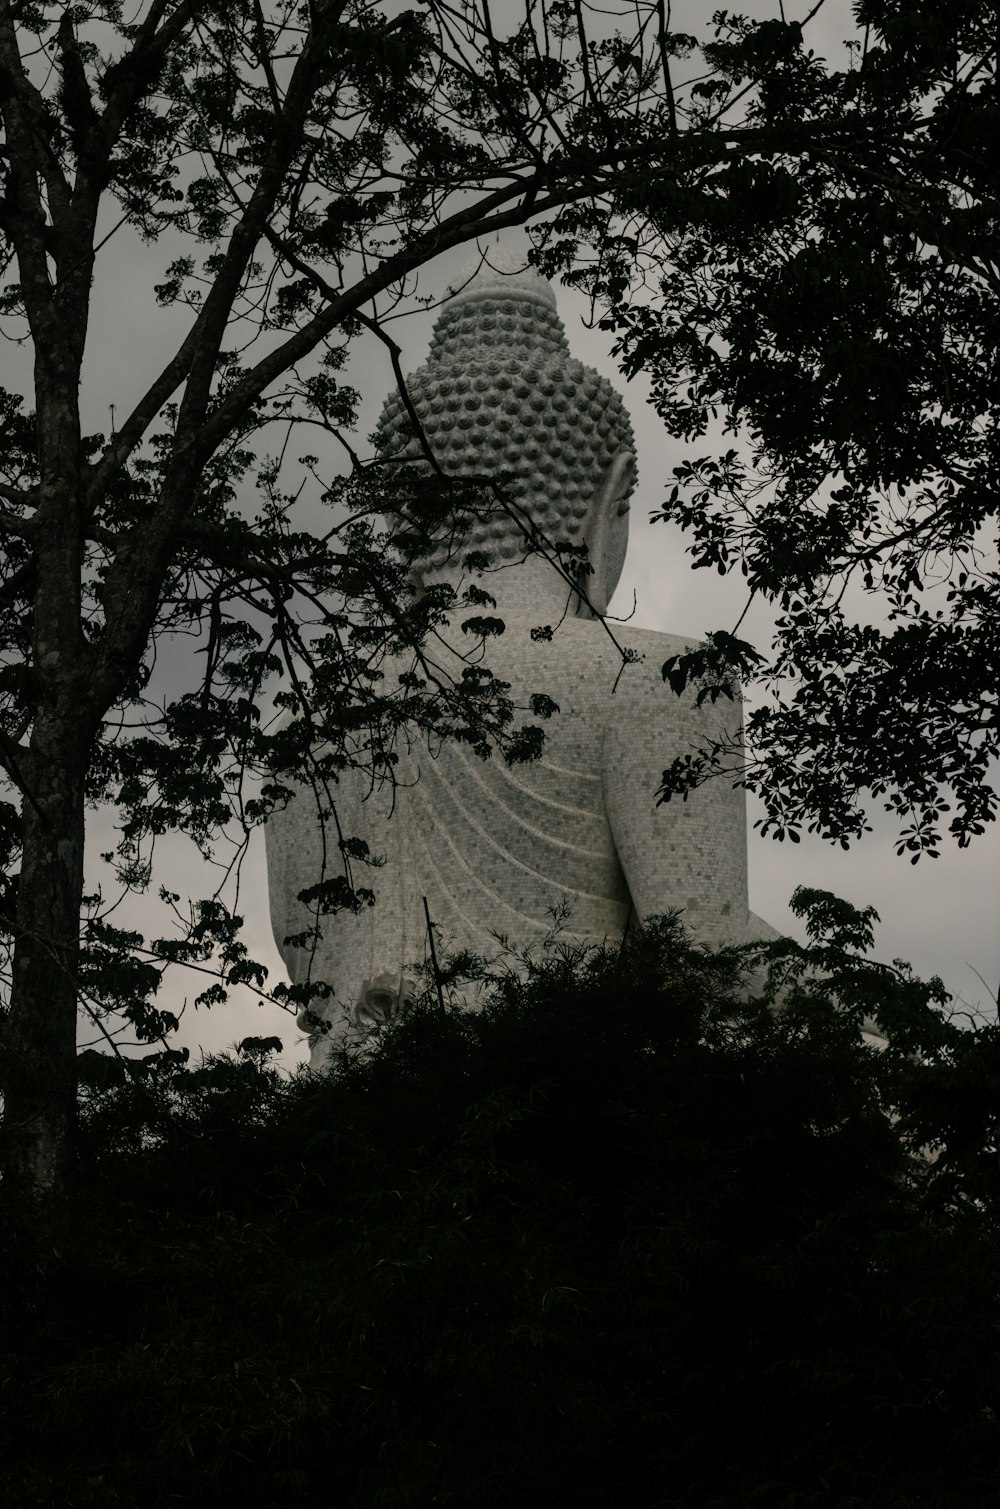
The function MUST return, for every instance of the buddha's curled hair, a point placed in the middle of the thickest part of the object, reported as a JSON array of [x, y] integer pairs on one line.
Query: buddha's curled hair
[[499, 394]]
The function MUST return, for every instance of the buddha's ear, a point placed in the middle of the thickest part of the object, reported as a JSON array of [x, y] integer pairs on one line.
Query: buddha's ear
[[617, 484], [606, 533]]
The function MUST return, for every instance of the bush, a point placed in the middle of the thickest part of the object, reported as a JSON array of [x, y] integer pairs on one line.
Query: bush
[[628, 1235]]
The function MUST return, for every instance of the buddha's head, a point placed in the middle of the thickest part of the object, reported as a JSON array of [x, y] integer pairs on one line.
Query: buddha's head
[[500, 394]]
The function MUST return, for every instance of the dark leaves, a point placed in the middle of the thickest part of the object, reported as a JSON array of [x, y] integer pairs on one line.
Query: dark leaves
[[626, 1183]]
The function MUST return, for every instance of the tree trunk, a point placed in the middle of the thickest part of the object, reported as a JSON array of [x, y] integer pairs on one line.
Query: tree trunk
[[39, 1057]]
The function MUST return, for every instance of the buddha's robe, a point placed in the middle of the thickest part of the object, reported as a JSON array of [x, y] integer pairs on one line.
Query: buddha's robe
[[573, 845]]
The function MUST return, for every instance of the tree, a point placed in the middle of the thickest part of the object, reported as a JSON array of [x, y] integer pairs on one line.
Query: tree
[[627, 1234], [289, 173], [295, 168], [831, 291]]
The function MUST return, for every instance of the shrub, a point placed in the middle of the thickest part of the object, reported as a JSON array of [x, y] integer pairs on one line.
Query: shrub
[[630, 1234]]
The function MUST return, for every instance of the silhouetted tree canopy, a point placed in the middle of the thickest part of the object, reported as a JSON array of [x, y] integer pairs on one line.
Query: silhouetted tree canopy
[[828, 295], [277, 178], [629, 1235]]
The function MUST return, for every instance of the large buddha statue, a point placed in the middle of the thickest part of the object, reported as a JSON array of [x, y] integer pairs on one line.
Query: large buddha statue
[[482, 848]]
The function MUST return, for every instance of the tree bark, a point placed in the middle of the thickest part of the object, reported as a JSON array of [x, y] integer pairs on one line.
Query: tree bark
[[39, 1058]]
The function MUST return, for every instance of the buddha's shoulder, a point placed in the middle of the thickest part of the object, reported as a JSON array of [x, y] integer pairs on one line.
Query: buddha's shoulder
[[610, 646], [587, 668]]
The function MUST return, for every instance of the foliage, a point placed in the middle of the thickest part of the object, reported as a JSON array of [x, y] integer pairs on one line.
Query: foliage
[[272, 180], [827, 294], [629, 1234]]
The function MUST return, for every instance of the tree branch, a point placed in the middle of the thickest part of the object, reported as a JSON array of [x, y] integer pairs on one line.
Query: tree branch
[[12, 524], [463, 226], [15, 759], [26, 120]]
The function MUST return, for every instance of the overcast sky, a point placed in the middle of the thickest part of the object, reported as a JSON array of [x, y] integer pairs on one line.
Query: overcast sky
[[940, 915]]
